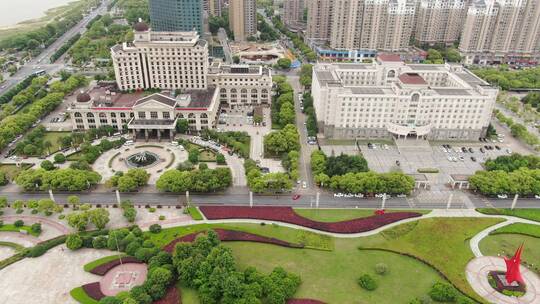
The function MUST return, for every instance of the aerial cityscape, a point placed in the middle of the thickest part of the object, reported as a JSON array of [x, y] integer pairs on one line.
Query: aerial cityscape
[[270, 151]]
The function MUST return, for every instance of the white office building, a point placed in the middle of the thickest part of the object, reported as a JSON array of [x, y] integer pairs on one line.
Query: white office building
[[390, 98]]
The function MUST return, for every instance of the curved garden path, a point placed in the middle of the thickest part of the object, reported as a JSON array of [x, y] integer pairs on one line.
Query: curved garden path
[[56, 228]]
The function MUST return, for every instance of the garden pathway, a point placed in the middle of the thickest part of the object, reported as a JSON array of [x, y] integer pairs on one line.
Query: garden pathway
[[50, 228]]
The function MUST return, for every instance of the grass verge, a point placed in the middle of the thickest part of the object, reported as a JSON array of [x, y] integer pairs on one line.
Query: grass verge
[[529, 214], [338, 215], [194, 213], [15, 246], [519, 228], [88, 267], [80, 296], [12, 228]]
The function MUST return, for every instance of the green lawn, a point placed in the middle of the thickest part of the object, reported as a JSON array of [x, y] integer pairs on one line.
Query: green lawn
[[188, 295], [520, 228], [207, 156], [11, 171], [310, 239], [74, 156], [506, 245], [80, 296], [52, 137], [441, 242], [11, 227], [194, 213], [88, 267], [337, 215], [529, 214], [332, 276]]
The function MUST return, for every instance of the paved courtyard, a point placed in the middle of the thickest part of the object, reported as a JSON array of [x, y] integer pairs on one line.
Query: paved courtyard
[[49, 278], [123, 278]]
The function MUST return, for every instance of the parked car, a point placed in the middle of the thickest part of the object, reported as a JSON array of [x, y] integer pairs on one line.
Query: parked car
[[471, 150], [304, 185], [338, 194], [482, 150], [502, 196], [497, 147], [473, 158]]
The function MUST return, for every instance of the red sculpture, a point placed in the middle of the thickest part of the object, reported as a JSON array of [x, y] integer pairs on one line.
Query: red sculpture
[[513, 274], [380, 212]]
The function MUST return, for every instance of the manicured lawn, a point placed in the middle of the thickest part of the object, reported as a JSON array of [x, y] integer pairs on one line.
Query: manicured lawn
[[309, 239], [441, 242], [52, 137], [11, 227], [506, 245], [520, 228], [195, 213], [188, 295], [101, 261], [332, 276], [338, 215], [74, 156], [530, 214], [207, 156], [11, 171], [80, 295]]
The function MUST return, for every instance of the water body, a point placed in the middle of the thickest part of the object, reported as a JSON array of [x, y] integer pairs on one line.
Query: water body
[[15, 11]]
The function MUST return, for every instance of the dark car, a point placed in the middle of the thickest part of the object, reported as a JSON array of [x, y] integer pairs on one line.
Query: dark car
[[482, 150], [473, 158], [464, 149], [497, 147], [471, 150]]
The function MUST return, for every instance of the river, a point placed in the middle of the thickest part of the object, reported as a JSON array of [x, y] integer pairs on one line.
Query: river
[[15, 11]]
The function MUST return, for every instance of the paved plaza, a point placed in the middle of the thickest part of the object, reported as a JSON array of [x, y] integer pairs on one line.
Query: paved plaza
[[123, 278]]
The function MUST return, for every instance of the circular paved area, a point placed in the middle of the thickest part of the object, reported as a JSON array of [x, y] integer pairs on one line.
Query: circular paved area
[[477, 275], [122, 278], [166, 152]]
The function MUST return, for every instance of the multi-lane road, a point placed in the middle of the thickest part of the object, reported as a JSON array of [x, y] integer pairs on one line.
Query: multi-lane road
[[42, 61]]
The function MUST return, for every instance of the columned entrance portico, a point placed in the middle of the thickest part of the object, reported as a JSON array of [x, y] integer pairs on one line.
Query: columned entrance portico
[[152, 128]]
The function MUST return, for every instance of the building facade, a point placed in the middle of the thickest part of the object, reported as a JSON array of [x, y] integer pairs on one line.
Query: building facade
[[502, 31], [439, 21], [177, 15], [213, 7], [243, 18], [319, 19], [154, 115], [293, 12], [165, 60], [241, 85], [390, 98]]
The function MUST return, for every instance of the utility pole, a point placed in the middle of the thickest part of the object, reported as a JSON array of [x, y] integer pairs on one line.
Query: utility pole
[[514, 202], [383, 201], [51, 195], [118, 200], [449, 201], [317, 197], [250, 199]]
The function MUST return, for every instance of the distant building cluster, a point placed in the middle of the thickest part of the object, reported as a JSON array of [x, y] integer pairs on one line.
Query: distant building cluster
[[388, 98], [488, 31]]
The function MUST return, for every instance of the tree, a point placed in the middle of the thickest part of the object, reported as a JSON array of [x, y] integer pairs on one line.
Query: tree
[[78, 220], [130, 214], [220, 159], [46, 206], [174, 181], [36, 227], [442, 292], [99, 217], [74, 201], [286, 114], [47, 145], [342, 164], [182, 126], [193, 155], [367, 282], [47, 165], [74, 242], [284, 63]]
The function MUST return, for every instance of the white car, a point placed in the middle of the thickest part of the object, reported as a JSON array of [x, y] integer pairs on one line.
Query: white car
[[461, 158], [537, 197], [380, 195], [385, 147], [304, 185], [502, 196], [359, 195], [508, 151], [401, 195], [449, 158], [338, 194], [348, 195]]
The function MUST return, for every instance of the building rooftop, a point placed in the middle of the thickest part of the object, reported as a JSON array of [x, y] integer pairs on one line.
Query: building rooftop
[[412, 78], [200, 98], [389, 57]]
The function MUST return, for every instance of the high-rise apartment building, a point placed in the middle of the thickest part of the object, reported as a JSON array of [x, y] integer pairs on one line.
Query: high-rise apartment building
[[213, 7], [320, 16], [293, 12], [243, 18], [502, 31], [363, 24], [165, 60], [176, 15], [439, 21]]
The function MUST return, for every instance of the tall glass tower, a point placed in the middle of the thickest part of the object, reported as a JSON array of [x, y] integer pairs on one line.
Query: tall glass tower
[[176, 15]]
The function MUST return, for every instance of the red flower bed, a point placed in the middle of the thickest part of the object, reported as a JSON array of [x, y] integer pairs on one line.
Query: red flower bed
[[287, 215], [233, 235], [93, 291], [304, 301], [172, 297], [104, 268]]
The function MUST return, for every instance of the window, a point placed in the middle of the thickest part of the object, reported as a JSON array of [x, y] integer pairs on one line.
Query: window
[[153, 115], [166, 115], [142, 115]]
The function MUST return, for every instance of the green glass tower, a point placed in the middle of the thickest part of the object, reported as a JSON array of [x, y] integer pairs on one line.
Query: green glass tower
[[176, 15]]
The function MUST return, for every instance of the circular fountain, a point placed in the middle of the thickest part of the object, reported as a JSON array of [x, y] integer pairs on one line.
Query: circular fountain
[[143, 159]]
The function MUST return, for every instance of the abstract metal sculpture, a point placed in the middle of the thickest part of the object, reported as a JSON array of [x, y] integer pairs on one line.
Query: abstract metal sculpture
[[513, 274]]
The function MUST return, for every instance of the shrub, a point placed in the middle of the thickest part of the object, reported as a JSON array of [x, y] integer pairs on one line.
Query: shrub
[[367, 282], [18, 223], [34, 211], [59, 158], [61, 216], [152, 210], [381, 268], [162, 217], [130, 214], [220, 159], [47, 165], [155, 228], [74, 242], [19, 211], [442, 292], [110, 300], [99, 242], [36, 228]]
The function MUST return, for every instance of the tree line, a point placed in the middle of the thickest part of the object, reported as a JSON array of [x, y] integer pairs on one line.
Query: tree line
[[200, 180]]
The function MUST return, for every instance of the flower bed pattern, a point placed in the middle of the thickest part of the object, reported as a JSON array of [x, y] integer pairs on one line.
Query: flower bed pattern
[[287, 215], [230, 236], [172, 297], [104, 268], [93, 291], [304, 301]]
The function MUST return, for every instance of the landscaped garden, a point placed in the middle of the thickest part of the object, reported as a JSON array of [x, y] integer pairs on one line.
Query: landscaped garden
[[528, 214], [337, 215]]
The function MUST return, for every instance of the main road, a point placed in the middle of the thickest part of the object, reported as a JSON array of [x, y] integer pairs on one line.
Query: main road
[[42, 61]]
